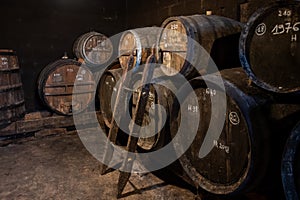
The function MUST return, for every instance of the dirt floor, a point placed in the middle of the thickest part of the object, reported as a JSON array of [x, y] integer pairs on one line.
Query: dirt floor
[[59, 167]]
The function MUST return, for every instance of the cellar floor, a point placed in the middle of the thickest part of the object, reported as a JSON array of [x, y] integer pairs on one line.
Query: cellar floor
[[59, 167]]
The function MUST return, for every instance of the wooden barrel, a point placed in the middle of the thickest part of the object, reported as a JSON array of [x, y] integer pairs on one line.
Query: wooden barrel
[[156, 96], [12, 104], [66, 87], [177, 42], [138, 42], [94, 48], [107, 86], [269, 47], [290, 170], [239, 156]]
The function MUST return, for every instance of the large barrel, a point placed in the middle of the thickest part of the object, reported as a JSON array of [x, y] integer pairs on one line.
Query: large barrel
[[106, 89], [269, 47], [94, 48], [107, 86], [138, 42], [66, 87], [290, 170], [239, 156], [177, 43], [12, 104], [156, 96]]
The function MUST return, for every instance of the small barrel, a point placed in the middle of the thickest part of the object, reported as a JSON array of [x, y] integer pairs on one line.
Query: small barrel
[[66, 87], [290, 171], [12, 104], [138, 42], [239, 156], [179, 53], [269, 47], [94, 48]]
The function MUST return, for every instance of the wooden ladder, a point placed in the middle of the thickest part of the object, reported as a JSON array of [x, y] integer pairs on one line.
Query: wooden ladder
[[137, 117]]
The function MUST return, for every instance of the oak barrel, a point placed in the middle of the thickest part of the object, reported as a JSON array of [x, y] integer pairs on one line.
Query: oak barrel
[[138, 42], [12, 104], [290, 168], [107, 87], [238, 158], [152, 114], [66, 87], [94, 48], [177, 43], [269, 47]]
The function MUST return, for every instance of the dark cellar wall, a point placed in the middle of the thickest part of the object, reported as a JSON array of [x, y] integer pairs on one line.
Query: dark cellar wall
[[42, 30], [154, 12]]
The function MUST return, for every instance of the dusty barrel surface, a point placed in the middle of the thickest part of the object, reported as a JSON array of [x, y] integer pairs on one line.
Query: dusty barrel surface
[[238, 157], [12, 104], [66, 87], [270, 49], [138, 42], [94, 48], [181, 36], [290, 171]]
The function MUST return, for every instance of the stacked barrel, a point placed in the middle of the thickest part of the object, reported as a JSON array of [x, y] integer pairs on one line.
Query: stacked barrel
[[246, 155], [254, 68], [269, 52], [178, 43], [67, 86], [139, 44], [259, 69]]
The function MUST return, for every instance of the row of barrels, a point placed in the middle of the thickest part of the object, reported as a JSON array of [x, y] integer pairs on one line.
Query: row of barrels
[[242, 154], [262, 98], [249, 148], [67, 86], [267, 47], [247, 154], [55, 82], [241, 157], [176, 51]]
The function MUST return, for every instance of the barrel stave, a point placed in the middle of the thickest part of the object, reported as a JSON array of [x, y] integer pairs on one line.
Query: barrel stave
[[291, 164]]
